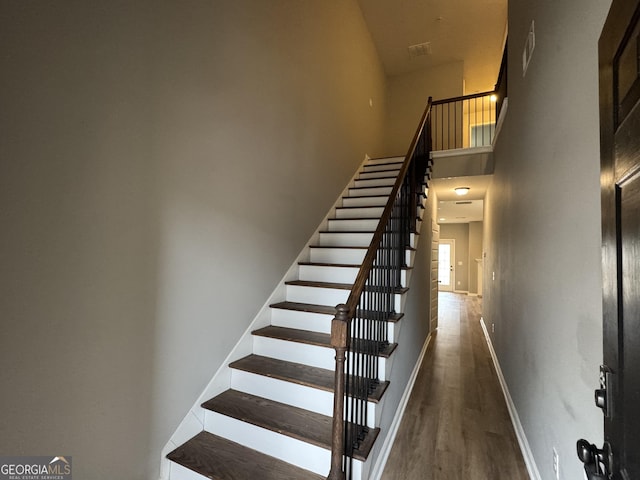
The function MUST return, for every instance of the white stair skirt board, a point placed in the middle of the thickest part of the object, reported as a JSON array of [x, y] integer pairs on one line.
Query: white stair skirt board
[[327, 273], [529, 461], [385, 450], [360, 212], [301, 396]]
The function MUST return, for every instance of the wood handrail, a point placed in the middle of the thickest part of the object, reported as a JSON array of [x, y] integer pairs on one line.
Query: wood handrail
[[345, 312], [463, 97], [367, 264]]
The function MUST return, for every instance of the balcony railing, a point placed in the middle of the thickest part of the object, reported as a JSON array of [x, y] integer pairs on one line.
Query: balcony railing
[[359, 329], [464, 122]]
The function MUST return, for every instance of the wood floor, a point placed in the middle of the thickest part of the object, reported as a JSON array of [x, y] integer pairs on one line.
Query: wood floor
[[456, 425]]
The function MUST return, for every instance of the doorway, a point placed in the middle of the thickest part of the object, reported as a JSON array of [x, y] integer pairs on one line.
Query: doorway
[[446, 261]]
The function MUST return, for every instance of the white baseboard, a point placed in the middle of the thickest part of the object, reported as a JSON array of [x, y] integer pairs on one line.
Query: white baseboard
[[529, 461], [385, 450]]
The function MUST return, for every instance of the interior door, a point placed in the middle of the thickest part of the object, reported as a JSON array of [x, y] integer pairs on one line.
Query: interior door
[[619, 393], [446, 260]]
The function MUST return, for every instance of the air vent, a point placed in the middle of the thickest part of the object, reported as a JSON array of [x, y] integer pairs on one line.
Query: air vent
[[468, 202], [420, 49]]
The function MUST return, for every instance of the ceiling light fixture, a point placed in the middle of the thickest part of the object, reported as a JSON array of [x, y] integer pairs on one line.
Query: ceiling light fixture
[[461, 190], [493, 98]]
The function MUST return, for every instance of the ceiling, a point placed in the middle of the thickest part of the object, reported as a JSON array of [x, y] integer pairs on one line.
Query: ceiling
[[469, 31], [456, 209]]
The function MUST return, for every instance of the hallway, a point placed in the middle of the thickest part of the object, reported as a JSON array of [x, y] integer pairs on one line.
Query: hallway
[[456, 425]]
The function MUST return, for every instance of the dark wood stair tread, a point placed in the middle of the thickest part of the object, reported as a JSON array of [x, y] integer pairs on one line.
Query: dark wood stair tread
[[298, 373], [308, 337], [220, 459], [304, 425], [324, 309]]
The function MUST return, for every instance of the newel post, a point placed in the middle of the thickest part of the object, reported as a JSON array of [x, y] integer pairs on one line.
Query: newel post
[[339, 340]]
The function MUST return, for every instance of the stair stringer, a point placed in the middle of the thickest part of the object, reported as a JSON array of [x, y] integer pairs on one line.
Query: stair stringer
[[194, 420]]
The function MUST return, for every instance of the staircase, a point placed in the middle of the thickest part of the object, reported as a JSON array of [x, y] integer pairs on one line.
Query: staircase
[[275, 421]]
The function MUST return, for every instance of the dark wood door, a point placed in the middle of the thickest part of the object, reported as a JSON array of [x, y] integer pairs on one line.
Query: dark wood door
[[619, 395]]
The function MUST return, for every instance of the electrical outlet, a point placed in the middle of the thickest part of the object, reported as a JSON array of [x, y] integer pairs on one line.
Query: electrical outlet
[[556, 463], [493, 328]]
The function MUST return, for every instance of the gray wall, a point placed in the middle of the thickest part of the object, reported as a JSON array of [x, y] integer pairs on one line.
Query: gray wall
[[407, 97], [460, 233], [542, 230], [162, 164]]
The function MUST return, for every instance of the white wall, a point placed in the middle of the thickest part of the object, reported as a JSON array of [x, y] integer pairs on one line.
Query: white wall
[[542, 231], [475, 252], [162, 163]]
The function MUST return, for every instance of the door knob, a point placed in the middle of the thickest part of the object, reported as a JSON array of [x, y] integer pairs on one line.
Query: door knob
[[601, 398], [596, 461]]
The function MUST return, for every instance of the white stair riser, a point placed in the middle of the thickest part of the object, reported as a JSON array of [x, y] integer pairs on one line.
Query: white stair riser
[[315, 322], [379, 168], [346, 255], [365, 201], [338, 255], [384, 161], [353, 225], [325, 296], [338, 239], [362, 212], [301, 396], [288, 449], [369, 191], [374, 182], [316, 295], [178, 472], [365, 175], [313, 355], [319, 273], [350, 239]]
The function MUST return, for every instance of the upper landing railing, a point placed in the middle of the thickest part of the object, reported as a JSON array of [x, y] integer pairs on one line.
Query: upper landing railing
[[464, 122], [469, 121]]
